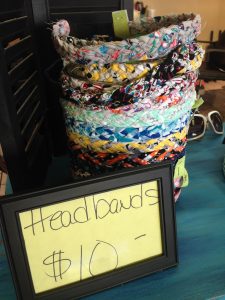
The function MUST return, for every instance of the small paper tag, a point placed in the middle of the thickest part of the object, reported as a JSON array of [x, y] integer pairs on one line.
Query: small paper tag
[[180, 171], [120, 24], [198, 102]]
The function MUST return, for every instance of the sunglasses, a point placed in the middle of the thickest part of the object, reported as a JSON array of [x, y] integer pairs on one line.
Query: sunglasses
[[198, 125]]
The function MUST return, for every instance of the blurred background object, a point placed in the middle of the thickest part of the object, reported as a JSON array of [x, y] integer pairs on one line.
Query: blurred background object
[[3, 173]]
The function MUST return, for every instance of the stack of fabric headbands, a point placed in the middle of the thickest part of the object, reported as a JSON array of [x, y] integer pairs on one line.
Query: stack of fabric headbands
[[128, 103]]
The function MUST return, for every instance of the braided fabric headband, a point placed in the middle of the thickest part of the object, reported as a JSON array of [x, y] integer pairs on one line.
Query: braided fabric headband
[[99, 162], [170, 142], [127, 134], [185, 58], [155, 43], [127, 119]]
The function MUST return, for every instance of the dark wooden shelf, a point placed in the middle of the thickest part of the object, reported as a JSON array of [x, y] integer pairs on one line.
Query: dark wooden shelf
[[24, 133]]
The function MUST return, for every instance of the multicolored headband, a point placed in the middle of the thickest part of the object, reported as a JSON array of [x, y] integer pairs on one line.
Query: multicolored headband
[[108, 146], [140, 95], [91, 162], [185, 58], [126, 134], [141, 118], [156, 42]]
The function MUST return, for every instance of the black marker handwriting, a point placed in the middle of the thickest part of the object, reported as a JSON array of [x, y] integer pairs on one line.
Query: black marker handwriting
[[138, 237], [102, 208], [58, 265], [99, 244]]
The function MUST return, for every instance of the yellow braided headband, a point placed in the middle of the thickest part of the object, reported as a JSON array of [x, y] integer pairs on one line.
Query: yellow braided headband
[[109, 147], [114, 73]]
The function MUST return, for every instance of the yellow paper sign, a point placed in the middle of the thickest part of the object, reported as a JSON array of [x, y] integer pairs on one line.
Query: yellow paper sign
[[81, 238]]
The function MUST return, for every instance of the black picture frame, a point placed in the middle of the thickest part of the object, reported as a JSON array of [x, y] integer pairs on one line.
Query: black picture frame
[[11, 206]]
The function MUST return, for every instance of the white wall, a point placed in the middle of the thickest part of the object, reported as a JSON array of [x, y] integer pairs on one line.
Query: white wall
[[211, 11]]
